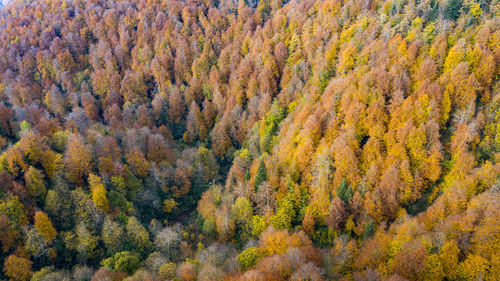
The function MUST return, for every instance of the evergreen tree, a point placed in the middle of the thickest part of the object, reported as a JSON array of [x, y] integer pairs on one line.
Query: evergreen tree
[[369, 230], [345, 192], [261, 175]]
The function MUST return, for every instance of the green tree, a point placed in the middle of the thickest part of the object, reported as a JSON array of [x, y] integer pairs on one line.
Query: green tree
[[248, 258], [369, 230], [25, 127], [261, 175], [258, 225], [242, 211], [123, 261], [345, 192], [270, 125], [284, 215], [452, 10]]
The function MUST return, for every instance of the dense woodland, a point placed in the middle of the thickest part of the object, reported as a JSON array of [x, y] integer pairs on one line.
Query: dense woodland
[[250, 140]]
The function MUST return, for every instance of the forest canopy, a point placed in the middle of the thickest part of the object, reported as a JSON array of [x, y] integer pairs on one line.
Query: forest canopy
[[250, 140]]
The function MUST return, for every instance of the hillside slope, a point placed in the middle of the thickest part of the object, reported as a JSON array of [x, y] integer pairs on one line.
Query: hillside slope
[[250, 140]]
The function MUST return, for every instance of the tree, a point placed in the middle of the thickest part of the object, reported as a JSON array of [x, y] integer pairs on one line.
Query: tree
[[169, 205], [176, 105], [210, 165], [433, 269], [105, 274], [35, 183], [133, 88], [274, 242], [86, 242], [452, 10], [221, 142], [187, 271], [474, 267], [25, 127], [167, 271], [52, 162], [284, 215], [265, 199], [9, 235], [210, 272], [345, 192], [369, 230], [248, 258], [123, 261], [270, 125], [224, 223], [448, 255], [137, 163], [258, 225], [168, 242], [261, 175], [18, 268], [337, 214], [6, 121], [242, 211], [55, 102], [410, 260], [476, 10], [98, 192], [77, 159], [14, 210], [44, 225], [159, 150], [112, 235], [137, 235], [192, 123], [35, 243], [89, 104], [308, 271]]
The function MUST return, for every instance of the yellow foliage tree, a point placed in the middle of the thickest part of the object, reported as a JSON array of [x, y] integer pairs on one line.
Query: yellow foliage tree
[[98, 192], [18, 268], [44, 225], [448, 255]]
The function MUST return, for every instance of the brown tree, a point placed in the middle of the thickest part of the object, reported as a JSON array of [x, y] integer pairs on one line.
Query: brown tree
[[77, 159]]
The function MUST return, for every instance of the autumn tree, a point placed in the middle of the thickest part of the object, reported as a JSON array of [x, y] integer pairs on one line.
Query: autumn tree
[[35, 183], [44, 225], [336, 214], [77, 159], [18, 268], [176, 105]]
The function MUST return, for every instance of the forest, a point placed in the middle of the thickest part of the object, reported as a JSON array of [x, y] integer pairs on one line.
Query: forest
[[250, 140]]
